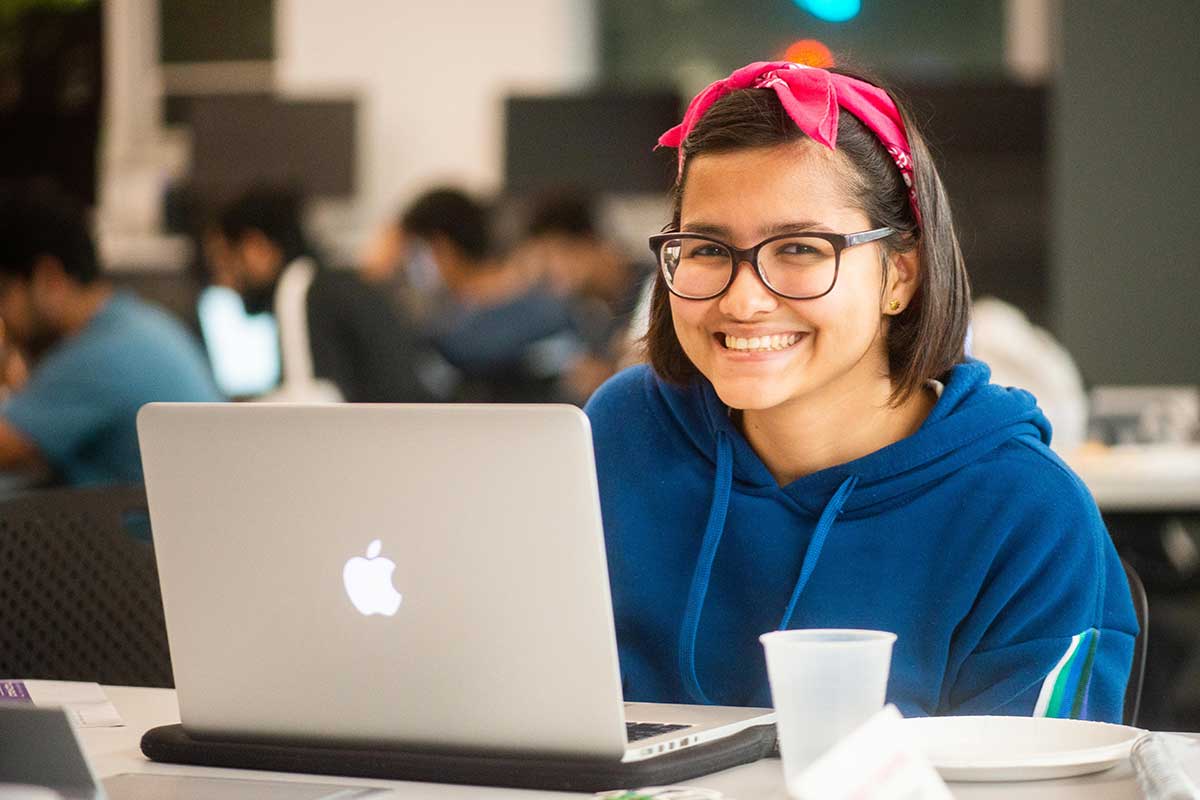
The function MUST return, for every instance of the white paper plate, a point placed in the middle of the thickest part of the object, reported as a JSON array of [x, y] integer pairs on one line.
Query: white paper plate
[[1018, 748]]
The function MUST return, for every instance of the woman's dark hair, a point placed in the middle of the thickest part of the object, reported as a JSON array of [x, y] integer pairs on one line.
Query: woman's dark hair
[[924, 340]]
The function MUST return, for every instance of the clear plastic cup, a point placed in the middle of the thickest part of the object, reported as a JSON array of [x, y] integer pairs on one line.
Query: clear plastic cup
[[824, 684]]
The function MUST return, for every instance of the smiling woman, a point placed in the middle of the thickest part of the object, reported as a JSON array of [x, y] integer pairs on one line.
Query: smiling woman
[[809, 447]]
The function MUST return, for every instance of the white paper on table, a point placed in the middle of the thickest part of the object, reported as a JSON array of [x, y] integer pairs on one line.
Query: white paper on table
[[874, 762], [86, 703]]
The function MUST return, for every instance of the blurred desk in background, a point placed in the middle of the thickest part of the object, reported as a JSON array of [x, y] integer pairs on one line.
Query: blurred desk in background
[[1141, 478], [1149, 495]]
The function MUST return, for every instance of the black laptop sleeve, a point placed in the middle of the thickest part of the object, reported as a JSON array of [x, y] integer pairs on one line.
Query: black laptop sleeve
[[171, 743]]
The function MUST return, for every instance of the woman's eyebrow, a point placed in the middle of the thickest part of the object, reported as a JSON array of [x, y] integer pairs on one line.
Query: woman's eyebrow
[[706, 228], [774, 229], [801, 226]]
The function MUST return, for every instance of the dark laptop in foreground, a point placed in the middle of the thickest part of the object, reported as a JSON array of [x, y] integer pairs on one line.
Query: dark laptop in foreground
[[421, 578], [41, 757]]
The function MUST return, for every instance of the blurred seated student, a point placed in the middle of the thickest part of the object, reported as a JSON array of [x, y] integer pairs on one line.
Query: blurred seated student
[[382, 259], [598, 280], [563, 233], [810, 447], [94, 355], [403, 268], [511, 338], [340, 339]]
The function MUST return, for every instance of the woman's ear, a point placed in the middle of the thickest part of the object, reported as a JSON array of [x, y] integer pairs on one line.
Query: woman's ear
[[903, 279]]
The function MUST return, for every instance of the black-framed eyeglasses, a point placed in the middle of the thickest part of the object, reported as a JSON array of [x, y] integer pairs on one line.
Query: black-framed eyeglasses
[[797, 266]]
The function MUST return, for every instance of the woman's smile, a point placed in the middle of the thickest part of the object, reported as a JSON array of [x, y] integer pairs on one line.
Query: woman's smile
[[757, 345]]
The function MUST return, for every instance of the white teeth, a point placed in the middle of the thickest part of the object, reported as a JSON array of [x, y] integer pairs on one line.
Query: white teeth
[[762, 343]]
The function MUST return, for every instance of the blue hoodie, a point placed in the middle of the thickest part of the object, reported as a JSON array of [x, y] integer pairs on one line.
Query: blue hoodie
[[969, 539]]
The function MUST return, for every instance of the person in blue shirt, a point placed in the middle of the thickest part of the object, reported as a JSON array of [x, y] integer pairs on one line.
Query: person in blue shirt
[[94, 355], [810, 448]]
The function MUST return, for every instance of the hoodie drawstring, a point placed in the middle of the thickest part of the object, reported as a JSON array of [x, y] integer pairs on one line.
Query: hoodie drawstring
[[832, 509], [713, 530], [722, 485]]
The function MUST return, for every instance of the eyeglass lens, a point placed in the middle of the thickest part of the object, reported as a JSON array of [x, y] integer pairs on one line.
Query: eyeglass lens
[[797, 266]]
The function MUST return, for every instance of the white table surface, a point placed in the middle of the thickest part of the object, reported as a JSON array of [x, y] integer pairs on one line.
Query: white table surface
[[1163, 477], [116, 750]]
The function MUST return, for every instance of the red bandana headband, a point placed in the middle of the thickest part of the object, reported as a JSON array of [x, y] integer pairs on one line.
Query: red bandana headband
[[811, 97]]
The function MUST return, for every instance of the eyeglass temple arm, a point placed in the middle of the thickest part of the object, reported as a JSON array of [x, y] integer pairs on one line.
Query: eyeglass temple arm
[[868, 236]]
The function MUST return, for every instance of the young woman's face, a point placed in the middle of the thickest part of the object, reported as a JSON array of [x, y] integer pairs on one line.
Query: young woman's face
[[741, 198]]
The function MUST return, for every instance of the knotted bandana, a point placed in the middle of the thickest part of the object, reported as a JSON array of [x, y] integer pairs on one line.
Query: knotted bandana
[[811, 97]]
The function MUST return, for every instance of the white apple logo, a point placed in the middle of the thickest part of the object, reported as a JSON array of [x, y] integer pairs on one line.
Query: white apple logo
[[369, 582]]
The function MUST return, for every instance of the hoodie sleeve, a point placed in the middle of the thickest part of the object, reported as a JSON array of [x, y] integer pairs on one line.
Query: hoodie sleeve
[[1052, 630]]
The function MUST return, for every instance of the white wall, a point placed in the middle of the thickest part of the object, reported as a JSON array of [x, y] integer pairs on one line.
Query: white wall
[[430, 77]]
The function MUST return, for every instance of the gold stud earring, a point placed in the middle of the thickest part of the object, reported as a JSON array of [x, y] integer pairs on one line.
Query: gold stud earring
[[894, 306]]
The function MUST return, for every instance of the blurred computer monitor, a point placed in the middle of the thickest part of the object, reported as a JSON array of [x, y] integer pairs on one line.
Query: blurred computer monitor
[[598, 141], [240, 141], [243, 349]]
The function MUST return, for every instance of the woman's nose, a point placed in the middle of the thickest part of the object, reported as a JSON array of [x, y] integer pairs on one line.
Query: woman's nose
[[747, 295]]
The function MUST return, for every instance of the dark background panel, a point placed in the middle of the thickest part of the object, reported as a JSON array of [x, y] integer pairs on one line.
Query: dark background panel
[[216, 30], [51, 88], [1126, 172], [241, 140], [602, 141]]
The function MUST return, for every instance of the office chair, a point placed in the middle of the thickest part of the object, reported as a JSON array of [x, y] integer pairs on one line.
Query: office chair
[[1141, 607], [79, 596]]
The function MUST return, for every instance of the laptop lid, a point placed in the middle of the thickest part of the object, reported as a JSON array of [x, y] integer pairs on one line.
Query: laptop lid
[[409, 574]]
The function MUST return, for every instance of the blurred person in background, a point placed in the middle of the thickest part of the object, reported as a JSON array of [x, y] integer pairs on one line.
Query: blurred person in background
[[599, 282], [1024, 355], [80, 357], [340, 339], [382, 259], [493, 319], [242, 348]]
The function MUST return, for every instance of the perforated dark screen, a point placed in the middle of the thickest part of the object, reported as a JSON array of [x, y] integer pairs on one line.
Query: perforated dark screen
[[79, 595]]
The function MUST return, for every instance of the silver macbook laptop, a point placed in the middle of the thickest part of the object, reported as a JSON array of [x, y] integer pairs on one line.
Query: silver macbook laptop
[[411, 575]]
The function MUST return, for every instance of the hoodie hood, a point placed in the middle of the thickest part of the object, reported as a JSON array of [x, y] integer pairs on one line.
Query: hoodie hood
[[971, 418]]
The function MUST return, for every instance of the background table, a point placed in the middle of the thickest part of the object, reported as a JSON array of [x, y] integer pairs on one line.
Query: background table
[[1159, 478], [1149, 495], [115, 750]]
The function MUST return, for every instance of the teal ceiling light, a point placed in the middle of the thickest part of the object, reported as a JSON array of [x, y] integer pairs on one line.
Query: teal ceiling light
[[832, 10]]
